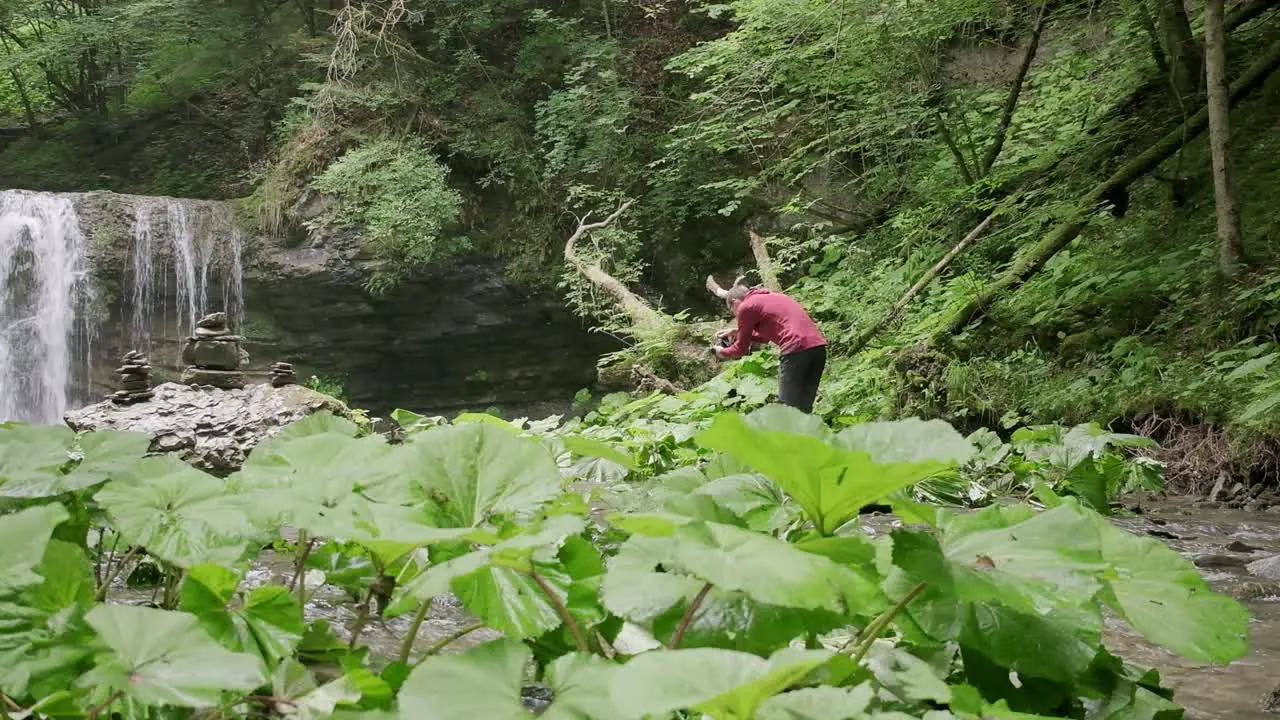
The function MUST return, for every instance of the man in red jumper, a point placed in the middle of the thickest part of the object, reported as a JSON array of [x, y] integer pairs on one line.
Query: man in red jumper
[[765, 316]]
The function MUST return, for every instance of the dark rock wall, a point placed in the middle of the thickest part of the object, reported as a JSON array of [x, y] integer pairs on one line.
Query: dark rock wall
[[463, 338]]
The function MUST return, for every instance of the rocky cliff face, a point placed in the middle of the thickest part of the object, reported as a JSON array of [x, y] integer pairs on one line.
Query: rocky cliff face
[[465, 337]]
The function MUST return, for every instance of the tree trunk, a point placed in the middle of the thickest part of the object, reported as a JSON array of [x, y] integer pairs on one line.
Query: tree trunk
[[923, 282], [1015, 91], [641, 314], [1182, 50], [1143, 14], [764, 263], [1215, 39], [1062, 235]]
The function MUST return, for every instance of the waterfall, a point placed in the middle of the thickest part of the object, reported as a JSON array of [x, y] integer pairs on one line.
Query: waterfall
[[196, 247], [44, 289], [173, 260]]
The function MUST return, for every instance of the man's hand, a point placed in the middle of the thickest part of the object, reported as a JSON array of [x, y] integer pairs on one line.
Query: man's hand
[[728, 334]]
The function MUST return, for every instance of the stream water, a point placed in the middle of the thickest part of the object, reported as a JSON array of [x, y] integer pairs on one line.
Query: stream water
[[1221, 541]]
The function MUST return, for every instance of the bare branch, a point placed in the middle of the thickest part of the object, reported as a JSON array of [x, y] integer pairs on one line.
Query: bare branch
[[764, 263], [640, 312]]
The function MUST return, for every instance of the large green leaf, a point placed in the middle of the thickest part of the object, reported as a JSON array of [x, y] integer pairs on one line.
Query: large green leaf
[[1012, 584], [23, 537], [495, 582], [158, 657], [100, 454], [473, 471], [725, 685], [30, 455], [267, 620], [44, 642], [176, 512], [483, 682], [1162, 595], [303, 699], [389, 531], [818, 703], [104, 453], [832, 478], [766, 569]]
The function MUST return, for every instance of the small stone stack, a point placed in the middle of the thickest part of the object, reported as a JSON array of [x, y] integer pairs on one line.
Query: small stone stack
[[282, 374], [213, 356], [135, 380]]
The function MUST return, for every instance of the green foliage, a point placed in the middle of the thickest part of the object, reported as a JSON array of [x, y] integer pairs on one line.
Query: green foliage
[[395, 195], [689, 605]]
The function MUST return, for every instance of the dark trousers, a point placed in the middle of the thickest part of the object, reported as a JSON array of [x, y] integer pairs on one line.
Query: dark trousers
[[799, 375]]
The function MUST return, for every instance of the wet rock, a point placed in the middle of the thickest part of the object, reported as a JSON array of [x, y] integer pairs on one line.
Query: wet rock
[[1237, 546], [1254, 590], [1220, 561], [222, 379], [215, 354], [212, 429], [1268, 568]]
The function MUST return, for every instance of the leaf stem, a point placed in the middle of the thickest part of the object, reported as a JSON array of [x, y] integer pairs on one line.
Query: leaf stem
[[444, 642], [578, 638], [406, 646], [862, 643], [361, 618], [687, 620], [97, 709], [299, 580], [115, 570]]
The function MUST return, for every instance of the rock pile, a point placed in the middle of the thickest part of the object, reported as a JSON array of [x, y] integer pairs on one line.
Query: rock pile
[[135, 380], [282, 374], [213, 356], [212, 430]]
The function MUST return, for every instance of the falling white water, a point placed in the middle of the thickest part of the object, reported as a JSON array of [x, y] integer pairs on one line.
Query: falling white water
[[43, 290], [183, 253]]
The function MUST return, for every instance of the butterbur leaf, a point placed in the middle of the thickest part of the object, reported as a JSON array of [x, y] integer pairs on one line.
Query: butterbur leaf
[[908, 441], [832, 478], [508, 601], [32, 456], [818, 703], [388, 531], [1009, 583], [766, 569], [293, 682], [179, 514], [23, 538], [268, 622], [158, 657], [483, 682], [1161, 594], [494, 583], [581, 686], [473, 471], [720, 683], [590, 447], [104, 453], [44, 641]]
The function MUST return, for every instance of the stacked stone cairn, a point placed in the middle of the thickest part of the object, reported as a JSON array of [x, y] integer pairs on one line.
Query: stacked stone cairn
[[135, 380], [212, 355], [282, 374]]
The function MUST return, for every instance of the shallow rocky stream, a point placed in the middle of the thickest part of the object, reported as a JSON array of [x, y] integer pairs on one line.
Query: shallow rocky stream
[[1225, 543]]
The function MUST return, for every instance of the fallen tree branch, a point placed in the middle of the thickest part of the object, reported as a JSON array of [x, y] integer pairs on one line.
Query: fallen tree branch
[[1015, 92], [924, 280], [641, 314], [1062, 235], [764, 263]]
